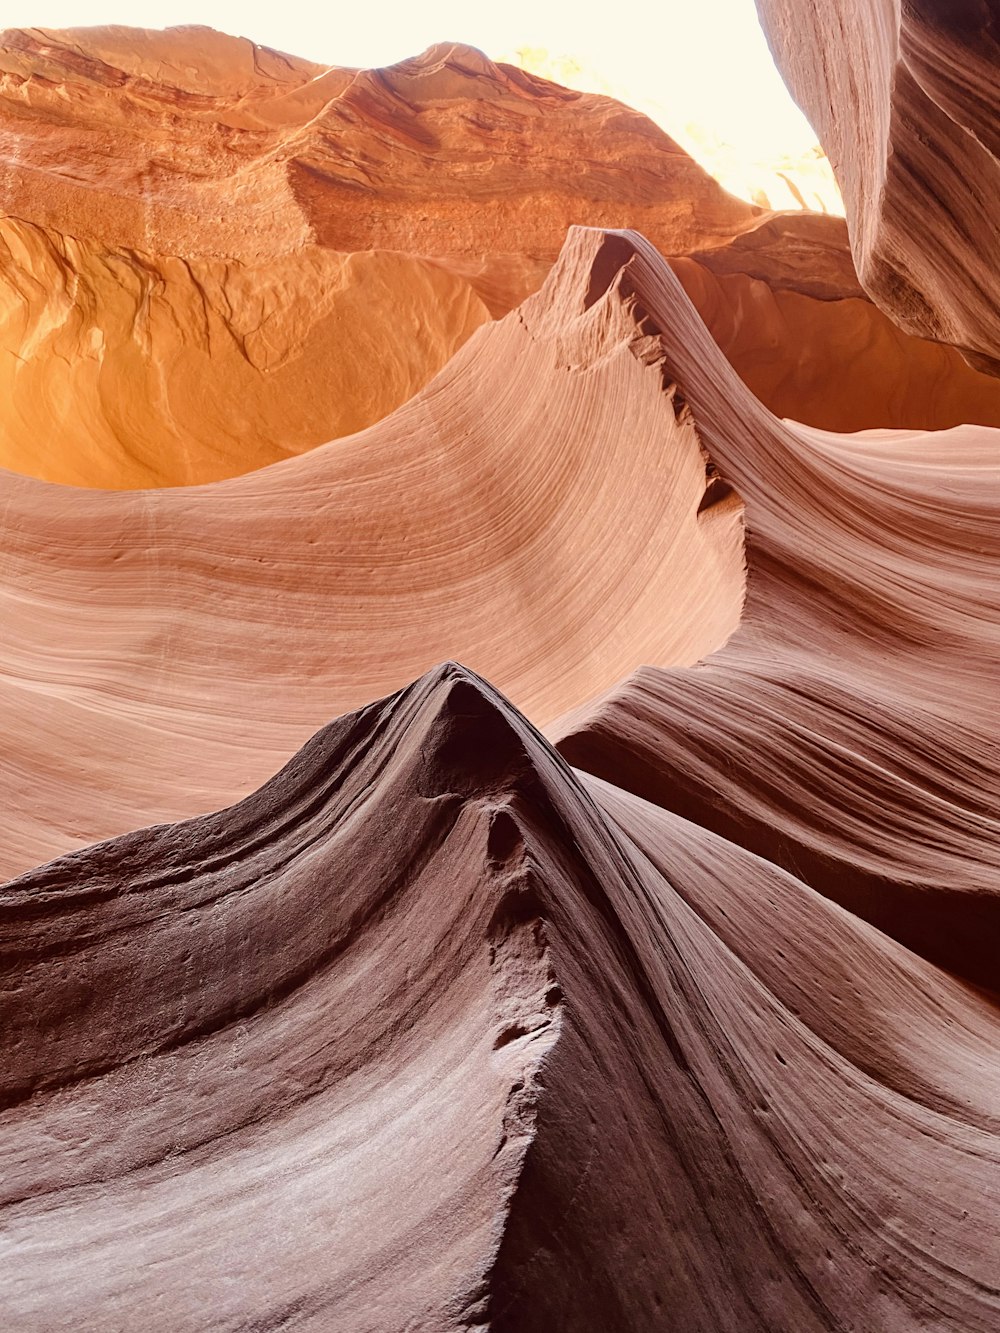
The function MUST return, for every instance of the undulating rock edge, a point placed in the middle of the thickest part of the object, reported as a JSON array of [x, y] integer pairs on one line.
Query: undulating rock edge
[[215, 256]]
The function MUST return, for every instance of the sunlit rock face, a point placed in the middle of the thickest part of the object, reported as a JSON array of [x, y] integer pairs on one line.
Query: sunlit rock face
[[213, 256], [776, 180], [531, 863]]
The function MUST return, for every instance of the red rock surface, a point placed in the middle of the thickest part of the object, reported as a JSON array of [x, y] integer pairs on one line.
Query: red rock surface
[[532, 512], [784, 304], [513, 1050], [643, 1063], [190, 219], [214, 256], [904, 98], [648, 984], [862, 678]]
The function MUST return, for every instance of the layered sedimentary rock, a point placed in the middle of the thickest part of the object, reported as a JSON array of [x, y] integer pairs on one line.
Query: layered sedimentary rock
[[433, 1032], [862, 678], [214, 256], [129, 371], [904, 98], [418, 157], [533, 511], [640, 972], [186, 288]]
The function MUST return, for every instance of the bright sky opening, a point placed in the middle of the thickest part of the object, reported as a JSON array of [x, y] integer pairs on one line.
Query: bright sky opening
[[700, 68]]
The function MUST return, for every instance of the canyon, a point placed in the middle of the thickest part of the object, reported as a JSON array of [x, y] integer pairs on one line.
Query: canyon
[[499, 669]]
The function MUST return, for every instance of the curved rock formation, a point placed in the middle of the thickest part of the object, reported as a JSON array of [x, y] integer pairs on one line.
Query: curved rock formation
[[127, 371], [432, 1033], [783, 302], [532, 511], [904, 98], [868, 641], [186, 291], [680, 1014], [847, 731]]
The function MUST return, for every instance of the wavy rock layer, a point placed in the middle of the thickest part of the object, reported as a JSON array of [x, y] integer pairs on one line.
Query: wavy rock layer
[[435, 1031], [848, 730], [683, 1017], [543, 509], [214, 256], [904, 97], [507, 1035]]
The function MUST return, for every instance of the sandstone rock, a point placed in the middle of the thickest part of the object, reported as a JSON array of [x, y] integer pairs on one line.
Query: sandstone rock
[[137, 371], [533, 511], [847, 730], [433, 1031], [186, 285], [657, 991], [214, 257], [904, 98]]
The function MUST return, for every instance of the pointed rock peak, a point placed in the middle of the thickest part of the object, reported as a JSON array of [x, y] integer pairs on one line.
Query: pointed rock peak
[[458, 55], [452, 71], [587, 268]]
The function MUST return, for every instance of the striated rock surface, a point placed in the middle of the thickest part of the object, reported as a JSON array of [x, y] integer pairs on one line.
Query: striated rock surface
[[533, 511], [436, 1031], [904, 98], [433, 1032], [419, 157], [862, 678], [650, 983], [214, 256]]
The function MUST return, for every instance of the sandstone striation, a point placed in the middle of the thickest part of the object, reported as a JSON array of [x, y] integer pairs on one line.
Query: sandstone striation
[[457, 1014], [862, 678], [533, 511], [507, 1036], [624, 954], [904, 98]]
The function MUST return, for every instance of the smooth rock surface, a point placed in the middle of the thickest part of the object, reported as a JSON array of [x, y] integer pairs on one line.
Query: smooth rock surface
[[848, 730], [433, 1032], [544, 509]]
